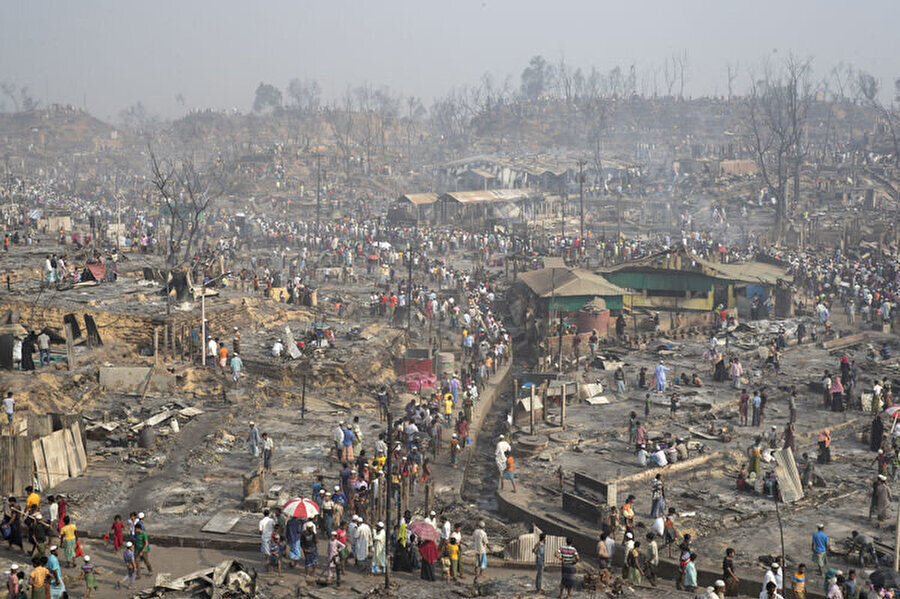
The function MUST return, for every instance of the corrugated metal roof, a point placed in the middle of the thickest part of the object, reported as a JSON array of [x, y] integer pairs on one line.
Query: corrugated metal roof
[[487, 196], [568, 282], [746, 272], [482, 173], [419, 199]]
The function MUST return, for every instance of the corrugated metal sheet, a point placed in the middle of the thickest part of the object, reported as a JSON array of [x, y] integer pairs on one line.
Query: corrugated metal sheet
[[670, 281], [568, 282], [419, 199], [487, 196], [520, 550], [570, 304]]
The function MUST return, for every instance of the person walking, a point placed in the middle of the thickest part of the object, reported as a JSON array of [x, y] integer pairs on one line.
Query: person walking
[[730, 578], [237, 367], [9, 406], [651, 558], [481, 547], [881, 500], [254, 440], [539, 551], [268, 448], [820, 547], [658, 497], [568, 557], [508, 472], [142, 548], [660, 374], [68, 534]]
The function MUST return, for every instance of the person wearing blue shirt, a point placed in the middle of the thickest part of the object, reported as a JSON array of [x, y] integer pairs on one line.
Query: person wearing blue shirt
[[690, 574], [347, 455], [820, 547]]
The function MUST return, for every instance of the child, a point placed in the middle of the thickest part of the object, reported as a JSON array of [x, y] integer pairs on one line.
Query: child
[[670, 534], [454, 451], [117, 530], [453, 550], [130, 565], [89, 575], [23, 590], [276, 550], [445, 563]]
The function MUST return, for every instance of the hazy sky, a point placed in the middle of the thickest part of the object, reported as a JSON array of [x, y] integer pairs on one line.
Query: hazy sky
[[110, 54]]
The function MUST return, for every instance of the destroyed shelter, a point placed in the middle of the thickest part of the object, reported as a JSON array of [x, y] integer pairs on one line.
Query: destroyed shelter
[[680, 281], [580, 297]]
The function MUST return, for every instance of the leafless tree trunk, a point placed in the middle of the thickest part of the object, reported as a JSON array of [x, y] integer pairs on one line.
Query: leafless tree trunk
[[776, 120], [868, 87], [185, 196]]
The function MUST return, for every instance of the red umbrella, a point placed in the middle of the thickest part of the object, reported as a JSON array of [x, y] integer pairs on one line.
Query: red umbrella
[[300, 508], [423, 530]]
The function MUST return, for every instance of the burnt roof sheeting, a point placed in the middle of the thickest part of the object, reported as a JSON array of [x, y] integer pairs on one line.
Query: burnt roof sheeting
[[493, 196], [568, 282], [747, 272], [419, 199]]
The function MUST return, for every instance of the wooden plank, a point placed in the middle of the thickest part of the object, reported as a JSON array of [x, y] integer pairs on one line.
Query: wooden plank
[[40, 464], [24, 464], [221, 523], [79, 445], [55, 455], [71, 457], [6, 474]]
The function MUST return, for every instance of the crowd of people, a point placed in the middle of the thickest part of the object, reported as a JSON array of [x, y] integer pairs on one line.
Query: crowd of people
[[47, 537]]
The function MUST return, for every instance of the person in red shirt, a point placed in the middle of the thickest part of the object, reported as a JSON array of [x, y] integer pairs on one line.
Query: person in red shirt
[[116, 530]]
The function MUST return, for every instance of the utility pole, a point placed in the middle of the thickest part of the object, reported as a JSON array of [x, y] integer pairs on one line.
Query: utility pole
[[318, 189], [387, 502], [203, 325], [618, 217], [409, 305], [560, 333], [562, 223], [581, 195], [303, 399]]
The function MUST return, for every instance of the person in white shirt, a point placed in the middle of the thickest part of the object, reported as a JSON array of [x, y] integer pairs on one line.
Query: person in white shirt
[[212, 351], [481, 546], [44, 347], [430, 519], [769, 592], [500, 453], [659, 457], [9, 406], [266, 528], [277, 349], [445, 529], [771, 576]]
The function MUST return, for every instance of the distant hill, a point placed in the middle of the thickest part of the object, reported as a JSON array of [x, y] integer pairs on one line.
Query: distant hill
[[54, 130]]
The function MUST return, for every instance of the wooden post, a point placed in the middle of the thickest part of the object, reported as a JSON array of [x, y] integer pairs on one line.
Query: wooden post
[[70, 349], [166, 338], [156, 345], [181, 344], [897, 544], [203, 326], [544, 387], [562, 408], [429, 496], [404, 493], [531, 409]]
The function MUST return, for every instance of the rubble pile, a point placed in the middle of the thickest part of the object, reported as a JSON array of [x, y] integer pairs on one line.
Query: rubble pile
[[230, 579]]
